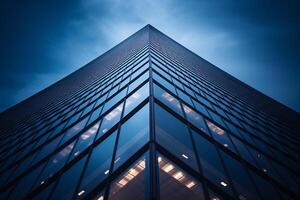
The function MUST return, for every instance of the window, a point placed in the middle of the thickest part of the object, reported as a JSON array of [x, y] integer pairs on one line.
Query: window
[[110, 119], [196, 119], [68, 181], [220, 135], [184, 97], [265, 188], [136, 98], [167, 99], [133, 135], [176, 184], [24, 185], [114, 100], [211, 163], [98, 165], [164, 83], [240, 178], [130, 184], [138, 81], [200, 108], [55, 163], [85, 140], [74, 130], [173, 135]]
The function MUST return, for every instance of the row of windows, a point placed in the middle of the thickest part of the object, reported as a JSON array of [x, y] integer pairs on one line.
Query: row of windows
[[168, 130], [219, 135], [88, 92], [43, 140], [126, 143], [88, 108], [249, 138], [213, 91], [216, 89]]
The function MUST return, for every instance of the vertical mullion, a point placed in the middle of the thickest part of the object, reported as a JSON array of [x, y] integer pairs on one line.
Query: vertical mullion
[[154, 182]]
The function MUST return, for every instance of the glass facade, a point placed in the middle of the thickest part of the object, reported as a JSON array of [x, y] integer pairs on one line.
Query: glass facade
[[154, 125]]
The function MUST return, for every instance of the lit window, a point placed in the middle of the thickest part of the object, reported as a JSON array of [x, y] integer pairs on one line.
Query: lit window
[[172, 177], [131, 184], [110, 119], [215, 128]]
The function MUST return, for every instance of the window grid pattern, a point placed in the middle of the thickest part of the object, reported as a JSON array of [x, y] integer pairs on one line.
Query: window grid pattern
[[40, 158]]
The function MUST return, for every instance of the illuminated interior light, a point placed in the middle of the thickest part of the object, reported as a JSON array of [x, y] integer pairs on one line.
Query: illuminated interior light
[[223, 183], [100, 198], [81, 193], [42, 182], [142, 164], [76, 153], [215, 198], [123, 182], [215, 128], [117, 160], [159, 159], [190, 184], [106, 172], [186, 157], [225, 145], [167, 167], [178, 175], [265, 170], [133, 172]]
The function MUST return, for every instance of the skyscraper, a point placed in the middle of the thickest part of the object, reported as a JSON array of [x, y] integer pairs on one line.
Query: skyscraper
[[149, 119]]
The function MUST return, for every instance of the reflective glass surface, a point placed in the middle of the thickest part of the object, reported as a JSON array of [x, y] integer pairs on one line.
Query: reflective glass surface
[[133, 135], [173, 135]]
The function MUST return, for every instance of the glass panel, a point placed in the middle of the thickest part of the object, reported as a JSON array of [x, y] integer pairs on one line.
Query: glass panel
[[98, 165], [55, 163], [74, 130], [85, 140], [110, 120], [164, 83], [133, 135], [100, 196], [240, 178], [200, 108], [220, 135], [266, 190], [173, 135], [136, 98], [167, 99], [131, 184], [111, 103], [184, 97], [24, 185], [211, 163], [196, 119], [176, 184], [44, 193], [138, 81], [68, 181]]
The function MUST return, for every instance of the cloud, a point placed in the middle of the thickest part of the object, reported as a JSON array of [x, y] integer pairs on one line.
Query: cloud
[[43, 42]]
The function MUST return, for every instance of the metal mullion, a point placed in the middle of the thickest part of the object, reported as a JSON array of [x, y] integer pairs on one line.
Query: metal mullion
[[154, 186]]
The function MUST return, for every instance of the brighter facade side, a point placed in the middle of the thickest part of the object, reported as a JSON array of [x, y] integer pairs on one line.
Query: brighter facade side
[[149, 119]]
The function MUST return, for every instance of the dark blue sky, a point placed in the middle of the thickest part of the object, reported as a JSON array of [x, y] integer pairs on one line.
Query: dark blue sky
[[257, 41]]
